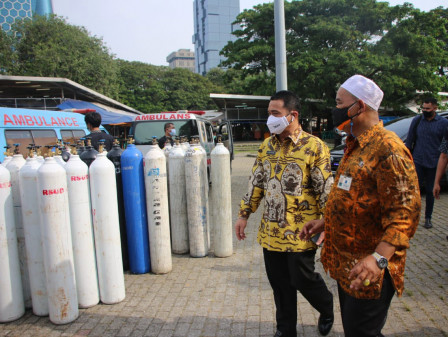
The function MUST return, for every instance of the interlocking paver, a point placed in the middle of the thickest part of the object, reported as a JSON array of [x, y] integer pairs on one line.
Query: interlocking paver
[[232, 296]]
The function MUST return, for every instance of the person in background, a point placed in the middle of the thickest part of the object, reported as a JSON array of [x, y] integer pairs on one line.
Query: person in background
[[424, 138], [441, 167], [292, 173], [170, 132], [372, 211], [93, 122]]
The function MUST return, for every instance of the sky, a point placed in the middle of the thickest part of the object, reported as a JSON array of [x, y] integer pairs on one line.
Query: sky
[[149, 30]]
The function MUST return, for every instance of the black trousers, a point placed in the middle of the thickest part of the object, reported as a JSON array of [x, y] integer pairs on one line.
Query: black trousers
[[288, 272], [366, 318]]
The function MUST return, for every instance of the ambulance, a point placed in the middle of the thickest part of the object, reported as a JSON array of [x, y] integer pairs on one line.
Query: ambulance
[[38, 127], [187, 123]]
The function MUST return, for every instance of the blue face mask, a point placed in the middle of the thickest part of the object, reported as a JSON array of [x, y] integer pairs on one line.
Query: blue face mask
[[173, 132]]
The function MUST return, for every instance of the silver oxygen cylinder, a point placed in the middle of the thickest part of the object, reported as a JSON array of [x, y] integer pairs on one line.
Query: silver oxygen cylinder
[[57, 243], [29, 195], [14, 167], [157, 210], [205, 189], [106, 225], [221, 200], [178, 200], [196, 207], [77, 173], [12, 306]]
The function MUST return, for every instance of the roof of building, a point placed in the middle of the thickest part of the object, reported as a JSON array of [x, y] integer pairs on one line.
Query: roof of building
[[31, 87], [226, 101]]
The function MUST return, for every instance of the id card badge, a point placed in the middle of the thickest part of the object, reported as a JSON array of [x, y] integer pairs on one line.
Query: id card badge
[[344, 182]]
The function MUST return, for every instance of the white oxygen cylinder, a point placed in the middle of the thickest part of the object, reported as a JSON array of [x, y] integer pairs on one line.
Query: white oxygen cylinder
[[157, 210], [14, 167], [82, 232], [12, 305], [178, 200], [196, 208], [6, 160], [59, 160], [29, 196], [204, 190], [57, 243], [185, 145], [106, 226], [221, 200]]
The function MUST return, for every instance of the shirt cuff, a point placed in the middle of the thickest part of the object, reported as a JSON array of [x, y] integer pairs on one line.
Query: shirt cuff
[[396, 238], [243, 214]]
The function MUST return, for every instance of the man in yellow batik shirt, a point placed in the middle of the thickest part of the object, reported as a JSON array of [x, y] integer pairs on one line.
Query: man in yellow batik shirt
[[292, 173]]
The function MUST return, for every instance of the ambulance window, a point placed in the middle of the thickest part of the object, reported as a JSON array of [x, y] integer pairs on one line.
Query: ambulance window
[[22, 137], [144, 131], [209, 133], [72, 136], [44, 138]]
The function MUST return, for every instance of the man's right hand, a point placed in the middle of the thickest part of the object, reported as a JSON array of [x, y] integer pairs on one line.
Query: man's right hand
[[240, 225], [436, 190], [310, 228]]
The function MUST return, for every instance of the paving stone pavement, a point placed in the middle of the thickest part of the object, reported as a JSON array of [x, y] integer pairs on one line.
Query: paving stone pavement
[[231, 296]]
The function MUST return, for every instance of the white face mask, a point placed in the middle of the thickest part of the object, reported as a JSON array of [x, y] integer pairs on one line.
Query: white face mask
[[173, 132], [277, 125]]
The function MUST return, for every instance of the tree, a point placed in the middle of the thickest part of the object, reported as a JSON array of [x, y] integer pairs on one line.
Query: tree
[[331, 40], [48, 46], [154, 89], [6, 53]]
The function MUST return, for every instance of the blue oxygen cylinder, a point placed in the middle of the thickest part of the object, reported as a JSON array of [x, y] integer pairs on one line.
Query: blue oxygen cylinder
[[135, 209]]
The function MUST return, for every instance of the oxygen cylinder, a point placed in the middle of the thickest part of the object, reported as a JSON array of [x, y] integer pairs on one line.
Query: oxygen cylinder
[[135, 209], [65, 154], [89, 155], [184, 143], [39, 156], [221, 200], [8, 155], [114, 156], [77, 174], [80, 148], [12, 306], [106, 226], [196, 208], [178, 200], [204, 191], [57, 242], [157, 209], [14, 167], [29, 197]]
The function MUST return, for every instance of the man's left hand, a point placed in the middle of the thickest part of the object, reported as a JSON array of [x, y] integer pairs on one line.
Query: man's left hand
[[366, 269]]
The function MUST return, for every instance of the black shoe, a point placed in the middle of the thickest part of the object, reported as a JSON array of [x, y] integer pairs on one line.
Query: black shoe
[[428, 223], [278, 333], [325, 324]]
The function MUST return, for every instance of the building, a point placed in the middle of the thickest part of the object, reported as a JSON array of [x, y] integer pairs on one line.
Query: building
[[183, 58], [213, 30], [11, 10]]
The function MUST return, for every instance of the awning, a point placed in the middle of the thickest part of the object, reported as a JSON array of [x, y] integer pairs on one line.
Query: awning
[[107, 117]]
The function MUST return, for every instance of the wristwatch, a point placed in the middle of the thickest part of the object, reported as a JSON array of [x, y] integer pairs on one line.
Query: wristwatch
[[381, 260]]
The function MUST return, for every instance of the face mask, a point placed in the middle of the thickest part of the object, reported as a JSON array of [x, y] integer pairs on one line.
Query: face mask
[[341, 118], [277, 125], [428, 114], [173, 132]]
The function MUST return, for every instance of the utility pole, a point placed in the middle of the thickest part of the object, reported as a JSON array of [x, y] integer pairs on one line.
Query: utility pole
[[281, 78]]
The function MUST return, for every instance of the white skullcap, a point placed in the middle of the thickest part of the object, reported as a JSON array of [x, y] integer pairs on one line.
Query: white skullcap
[[365, 89]]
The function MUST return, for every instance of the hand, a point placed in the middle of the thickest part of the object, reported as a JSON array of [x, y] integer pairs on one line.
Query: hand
[[240, 225], [367, 268], [310, 228], [436, 191]]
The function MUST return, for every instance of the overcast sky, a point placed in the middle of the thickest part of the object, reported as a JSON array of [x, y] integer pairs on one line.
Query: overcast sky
[[149, 30]]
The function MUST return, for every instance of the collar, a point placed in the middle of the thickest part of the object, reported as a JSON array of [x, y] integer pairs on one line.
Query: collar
[[436, 118], [294, 136], [364, 138]]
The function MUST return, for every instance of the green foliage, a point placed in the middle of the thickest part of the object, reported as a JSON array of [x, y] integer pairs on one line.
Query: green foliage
[[153, 89], [401, 48], [6, 54], [49, 47]]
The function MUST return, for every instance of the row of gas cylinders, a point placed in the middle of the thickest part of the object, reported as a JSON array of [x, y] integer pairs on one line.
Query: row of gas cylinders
[[156, 223], [56, 256]]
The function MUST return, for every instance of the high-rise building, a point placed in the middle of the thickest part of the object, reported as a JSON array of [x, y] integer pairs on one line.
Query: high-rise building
[[11, 10], [183, 58], [213, 30]]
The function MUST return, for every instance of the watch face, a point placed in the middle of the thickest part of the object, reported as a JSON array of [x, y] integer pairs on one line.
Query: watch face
[[382, 263]]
